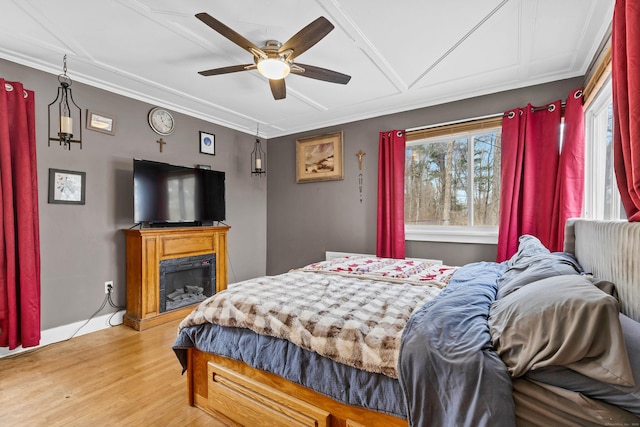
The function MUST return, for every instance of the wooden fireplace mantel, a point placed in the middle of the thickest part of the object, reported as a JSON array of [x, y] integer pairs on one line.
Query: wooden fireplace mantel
[[146, 248]]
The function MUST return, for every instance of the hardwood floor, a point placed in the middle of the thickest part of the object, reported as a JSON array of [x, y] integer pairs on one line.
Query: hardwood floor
[[113, 377]]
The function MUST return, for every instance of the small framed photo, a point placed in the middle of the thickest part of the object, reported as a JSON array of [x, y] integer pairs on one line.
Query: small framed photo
[[100, 122], [207, 143], [66, 187], [319, 158]]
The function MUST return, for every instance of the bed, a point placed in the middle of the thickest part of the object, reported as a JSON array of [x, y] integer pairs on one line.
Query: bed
[[448, 352]]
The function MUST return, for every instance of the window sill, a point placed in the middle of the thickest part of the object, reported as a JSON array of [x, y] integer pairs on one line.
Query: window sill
[[478, 235]]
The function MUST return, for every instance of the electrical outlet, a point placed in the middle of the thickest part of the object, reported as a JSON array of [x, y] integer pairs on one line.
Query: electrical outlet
[[108, 286]]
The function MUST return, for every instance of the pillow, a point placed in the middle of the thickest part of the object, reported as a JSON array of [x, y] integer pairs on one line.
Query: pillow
[[622, 396], [562, 320], [534, 262], [528, 246]]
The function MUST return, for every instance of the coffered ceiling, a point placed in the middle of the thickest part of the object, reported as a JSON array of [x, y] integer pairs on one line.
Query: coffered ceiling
[[401, 55]]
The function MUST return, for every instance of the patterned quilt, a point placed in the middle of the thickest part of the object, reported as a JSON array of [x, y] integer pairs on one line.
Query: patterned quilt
[[404, 270], [345, 317]]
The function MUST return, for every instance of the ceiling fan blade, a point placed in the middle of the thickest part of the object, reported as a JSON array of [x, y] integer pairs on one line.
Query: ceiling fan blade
[[307, 37], [228, 32], [226, 70], [278, 89], [319, 73]]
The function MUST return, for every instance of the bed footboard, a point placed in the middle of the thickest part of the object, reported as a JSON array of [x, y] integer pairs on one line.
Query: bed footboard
[[242, 396]]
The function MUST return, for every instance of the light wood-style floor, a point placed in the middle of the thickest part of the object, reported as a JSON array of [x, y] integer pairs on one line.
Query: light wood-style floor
[[114, 377]]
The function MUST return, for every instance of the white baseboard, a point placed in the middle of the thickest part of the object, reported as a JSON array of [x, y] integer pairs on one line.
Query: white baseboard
[[64, 332]]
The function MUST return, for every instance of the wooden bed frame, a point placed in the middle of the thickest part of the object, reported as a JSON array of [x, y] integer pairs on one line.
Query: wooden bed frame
[[243, 396]]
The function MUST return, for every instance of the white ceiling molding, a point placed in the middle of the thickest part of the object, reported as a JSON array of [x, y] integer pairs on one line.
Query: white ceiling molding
[[400, 55]]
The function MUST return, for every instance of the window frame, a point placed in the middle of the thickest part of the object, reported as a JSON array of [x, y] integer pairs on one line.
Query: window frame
[[477, 234], [596, 123], [598, 95]]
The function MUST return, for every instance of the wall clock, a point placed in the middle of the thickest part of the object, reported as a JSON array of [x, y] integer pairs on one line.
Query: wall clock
[[161, 121]]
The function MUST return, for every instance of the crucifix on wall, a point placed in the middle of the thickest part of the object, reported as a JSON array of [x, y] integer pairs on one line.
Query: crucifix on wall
[[360, 154], [161, 142]]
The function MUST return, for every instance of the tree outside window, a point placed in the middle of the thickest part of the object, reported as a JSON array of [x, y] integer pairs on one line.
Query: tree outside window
[[454, 180]]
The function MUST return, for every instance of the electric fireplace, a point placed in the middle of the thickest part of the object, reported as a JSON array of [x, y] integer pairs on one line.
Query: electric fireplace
[[186, 281]]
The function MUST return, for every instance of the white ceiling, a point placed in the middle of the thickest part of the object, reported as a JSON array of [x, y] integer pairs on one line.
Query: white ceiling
[[401, 55]]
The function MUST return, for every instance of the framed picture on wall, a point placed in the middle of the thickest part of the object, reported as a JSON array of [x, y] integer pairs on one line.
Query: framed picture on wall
[[207, 143], [101, 122], [319, 158], [66, 187]]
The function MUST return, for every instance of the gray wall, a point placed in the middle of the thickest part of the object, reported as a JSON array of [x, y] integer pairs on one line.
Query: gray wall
[[305, 220], [83, 246]]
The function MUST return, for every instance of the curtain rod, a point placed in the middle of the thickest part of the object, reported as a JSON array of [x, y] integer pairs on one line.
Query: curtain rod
[[489, 116], [549, 107], [454, 122]]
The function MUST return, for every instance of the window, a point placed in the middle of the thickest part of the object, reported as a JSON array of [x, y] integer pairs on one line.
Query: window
[[602, 199], [452, 183]]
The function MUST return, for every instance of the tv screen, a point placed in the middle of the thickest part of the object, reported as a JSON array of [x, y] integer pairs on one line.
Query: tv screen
[[164, 193]]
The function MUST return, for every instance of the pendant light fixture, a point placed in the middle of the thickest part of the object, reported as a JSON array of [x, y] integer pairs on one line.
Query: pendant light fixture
[[68, 113], [258, 156]]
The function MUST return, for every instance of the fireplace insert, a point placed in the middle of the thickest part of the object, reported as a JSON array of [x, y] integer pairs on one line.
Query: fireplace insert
[[186, 281]]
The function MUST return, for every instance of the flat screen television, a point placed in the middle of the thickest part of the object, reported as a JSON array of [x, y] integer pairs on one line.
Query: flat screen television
[[164, 194]]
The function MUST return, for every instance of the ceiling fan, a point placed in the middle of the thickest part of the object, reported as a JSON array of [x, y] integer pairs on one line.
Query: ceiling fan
[[274, 60]]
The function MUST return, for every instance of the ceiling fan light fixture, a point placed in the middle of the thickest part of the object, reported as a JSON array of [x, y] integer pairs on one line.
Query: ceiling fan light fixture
[[275, 60], [273, 68]]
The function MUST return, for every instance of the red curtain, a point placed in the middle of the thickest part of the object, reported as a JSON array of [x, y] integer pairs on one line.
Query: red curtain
[[390, 236], [20, 246], [511, 162], [625, 78], [570, 183], [538, 189], [540, 169], [529, 163]]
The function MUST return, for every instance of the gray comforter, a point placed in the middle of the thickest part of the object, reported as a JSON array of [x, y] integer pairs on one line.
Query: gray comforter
[[448, 371]]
